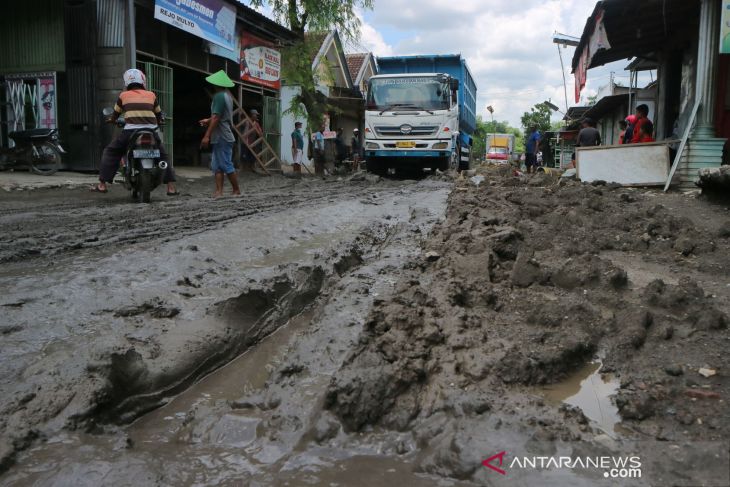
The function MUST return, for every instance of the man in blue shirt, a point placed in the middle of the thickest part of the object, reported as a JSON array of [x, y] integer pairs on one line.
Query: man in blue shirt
[[532, 145]]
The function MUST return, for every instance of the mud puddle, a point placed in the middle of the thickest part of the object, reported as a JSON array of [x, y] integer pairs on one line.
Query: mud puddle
[[590, 390]]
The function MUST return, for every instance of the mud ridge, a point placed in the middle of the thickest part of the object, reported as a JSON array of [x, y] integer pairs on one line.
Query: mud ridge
[[521, 285]]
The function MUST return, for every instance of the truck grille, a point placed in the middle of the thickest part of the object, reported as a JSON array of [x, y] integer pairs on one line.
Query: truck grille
[[394, 131]]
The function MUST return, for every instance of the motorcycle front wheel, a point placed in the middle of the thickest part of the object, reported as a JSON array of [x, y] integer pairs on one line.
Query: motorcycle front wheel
[[47, 161]]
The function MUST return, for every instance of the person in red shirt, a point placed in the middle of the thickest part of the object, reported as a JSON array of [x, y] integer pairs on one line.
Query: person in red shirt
[[642, 113], [646, 133]]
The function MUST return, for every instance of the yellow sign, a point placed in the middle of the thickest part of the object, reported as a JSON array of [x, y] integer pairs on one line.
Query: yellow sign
[[725, 28], [405, 144]]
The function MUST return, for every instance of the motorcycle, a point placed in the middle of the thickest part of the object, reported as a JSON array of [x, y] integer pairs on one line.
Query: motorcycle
[[142, 166], [39, 149]]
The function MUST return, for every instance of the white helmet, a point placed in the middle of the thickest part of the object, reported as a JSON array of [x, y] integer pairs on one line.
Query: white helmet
[[132, 76]]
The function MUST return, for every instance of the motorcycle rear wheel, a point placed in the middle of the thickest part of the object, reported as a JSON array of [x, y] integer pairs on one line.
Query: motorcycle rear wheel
[[48, 161], [145, 187]]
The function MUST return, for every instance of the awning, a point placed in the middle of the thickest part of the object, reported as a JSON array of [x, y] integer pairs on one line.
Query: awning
[[638, 28]]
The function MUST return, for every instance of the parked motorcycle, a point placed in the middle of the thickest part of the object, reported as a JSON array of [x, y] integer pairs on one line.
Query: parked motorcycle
[[38, 149], [142, 166]]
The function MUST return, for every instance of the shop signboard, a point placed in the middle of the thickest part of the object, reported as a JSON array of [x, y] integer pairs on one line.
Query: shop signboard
[[212, 20], [260, 62]]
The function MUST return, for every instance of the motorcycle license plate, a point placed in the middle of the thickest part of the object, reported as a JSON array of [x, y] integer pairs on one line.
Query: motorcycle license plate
[[407, 144], [146, 153]]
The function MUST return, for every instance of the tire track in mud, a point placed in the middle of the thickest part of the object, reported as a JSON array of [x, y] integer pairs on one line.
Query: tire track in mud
[[142, 359], [37, 230]]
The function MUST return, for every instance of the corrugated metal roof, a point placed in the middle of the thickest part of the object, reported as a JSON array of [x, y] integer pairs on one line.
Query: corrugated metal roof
[[31, 37], [110, 17], [606, 105]]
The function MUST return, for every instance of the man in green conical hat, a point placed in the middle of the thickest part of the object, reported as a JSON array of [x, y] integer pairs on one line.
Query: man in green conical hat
[[219, 135]]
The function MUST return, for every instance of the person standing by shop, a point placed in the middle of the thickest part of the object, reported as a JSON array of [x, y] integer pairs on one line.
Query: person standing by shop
[[297, 147], [355, 147], [319, 151], [532, 146], [219, 135], [642, 117]]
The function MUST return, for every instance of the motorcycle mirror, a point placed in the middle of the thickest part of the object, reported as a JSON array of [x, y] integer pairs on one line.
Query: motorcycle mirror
[[107, 112]]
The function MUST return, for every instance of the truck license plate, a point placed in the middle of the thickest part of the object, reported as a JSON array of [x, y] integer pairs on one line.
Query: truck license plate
[[407, 144], [146, 153]]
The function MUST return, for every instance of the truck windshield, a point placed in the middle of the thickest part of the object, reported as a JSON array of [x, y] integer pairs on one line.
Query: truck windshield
[[425, 93]]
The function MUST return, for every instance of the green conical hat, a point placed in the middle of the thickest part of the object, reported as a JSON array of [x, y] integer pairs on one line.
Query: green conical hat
[[220, 79]]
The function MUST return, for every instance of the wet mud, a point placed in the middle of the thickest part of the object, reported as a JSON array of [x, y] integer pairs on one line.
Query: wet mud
[[368, 333]]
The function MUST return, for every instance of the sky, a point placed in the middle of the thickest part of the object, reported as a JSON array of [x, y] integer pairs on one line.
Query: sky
[[507, 44]]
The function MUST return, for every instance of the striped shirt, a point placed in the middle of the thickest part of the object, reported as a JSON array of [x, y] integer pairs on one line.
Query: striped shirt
[[140, 108]]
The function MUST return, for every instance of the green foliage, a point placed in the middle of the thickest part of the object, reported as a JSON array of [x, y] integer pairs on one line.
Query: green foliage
[[485, 128], [312, 16], [538, 116]]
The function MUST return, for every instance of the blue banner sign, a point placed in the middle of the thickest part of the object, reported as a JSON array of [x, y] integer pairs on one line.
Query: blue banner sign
[[212, 20]]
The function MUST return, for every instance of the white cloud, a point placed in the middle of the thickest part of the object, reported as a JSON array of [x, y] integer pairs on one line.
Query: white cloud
[[507, 44], [373, 41]]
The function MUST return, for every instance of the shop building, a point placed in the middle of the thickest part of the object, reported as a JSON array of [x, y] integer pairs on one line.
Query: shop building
[[61, 63]]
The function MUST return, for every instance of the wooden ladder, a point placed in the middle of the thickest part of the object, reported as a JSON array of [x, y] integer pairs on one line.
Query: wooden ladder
[[265, 156]]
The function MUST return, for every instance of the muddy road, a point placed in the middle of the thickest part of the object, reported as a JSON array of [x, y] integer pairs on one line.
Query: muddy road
[[363, 332]]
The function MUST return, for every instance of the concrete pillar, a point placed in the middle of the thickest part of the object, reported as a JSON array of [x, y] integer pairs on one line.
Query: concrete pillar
[[708, 53], [704, 149]]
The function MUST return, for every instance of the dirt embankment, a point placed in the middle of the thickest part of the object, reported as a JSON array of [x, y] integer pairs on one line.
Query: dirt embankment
[[523, 284]]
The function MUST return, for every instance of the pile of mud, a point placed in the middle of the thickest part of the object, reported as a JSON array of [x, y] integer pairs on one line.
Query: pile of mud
[[524, 283]]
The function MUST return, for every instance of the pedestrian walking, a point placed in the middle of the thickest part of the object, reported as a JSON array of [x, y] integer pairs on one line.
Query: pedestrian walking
[[297, 147], [219, 133]]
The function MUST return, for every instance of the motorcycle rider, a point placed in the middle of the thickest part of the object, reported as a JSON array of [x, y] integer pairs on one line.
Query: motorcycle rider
[[141, 111]]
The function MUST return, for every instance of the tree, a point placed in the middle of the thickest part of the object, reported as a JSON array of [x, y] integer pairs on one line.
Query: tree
[[312, 16], [538, 116]]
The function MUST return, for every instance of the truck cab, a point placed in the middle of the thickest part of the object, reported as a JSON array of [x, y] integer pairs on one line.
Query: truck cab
[[413, 117], [420, 114]]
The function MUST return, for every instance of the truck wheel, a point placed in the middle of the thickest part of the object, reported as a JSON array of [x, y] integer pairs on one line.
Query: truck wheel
[[454, 159], [443, 164], [464, 165]]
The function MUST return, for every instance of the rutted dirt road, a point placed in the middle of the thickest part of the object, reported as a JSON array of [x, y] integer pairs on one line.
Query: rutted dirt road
[[386, 333]]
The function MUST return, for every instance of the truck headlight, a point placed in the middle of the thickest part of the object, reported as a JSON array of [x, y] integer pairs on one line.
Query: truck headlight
[[441, 145], [372, 146]]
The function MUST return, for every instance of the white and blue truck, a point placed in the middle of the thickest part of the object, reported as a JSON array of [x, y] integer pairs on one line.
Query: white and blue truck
[[420, 113]]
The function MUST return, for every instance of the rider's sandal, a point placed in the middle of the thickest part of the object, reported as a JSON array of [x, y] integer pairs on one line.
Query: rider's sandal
[[96, 189], [176, 193]]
